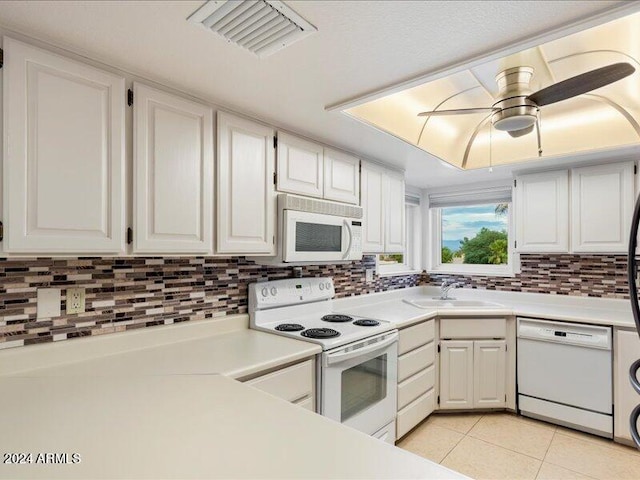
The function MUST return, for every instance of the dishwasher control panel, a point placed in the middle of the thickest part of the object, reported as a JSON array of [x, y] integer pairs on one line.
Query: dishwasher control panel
[[592, 336]]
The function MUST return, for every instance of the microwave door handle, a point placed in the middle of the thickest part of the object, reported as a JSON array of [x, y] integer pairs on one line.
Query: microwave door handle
[[341, 357], [348, 251]]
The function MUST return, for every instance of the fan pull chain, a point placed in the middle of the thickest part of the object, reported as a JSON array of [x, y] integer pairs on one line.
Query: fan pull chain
[[538, 121], [490, 158]]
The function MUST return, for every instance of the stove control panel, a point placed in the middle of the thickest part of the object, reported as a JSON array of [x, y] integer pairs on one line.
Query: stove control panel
[[291, 291]]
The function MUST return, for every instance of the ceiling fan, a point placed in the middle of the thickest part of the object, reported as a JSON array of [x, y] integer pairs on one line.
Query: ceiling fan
[[517, 107]]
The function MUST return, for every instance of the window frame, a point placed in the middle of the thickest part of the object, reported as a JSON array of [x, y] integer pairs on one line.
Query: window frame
[[411, 253], [437, 267]]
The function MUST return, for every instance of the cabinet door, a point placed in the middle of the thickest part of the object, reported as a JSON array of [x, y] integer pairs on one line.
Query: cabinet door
[[456, 374], [341, 177], [172, 174], [64, 154], [246, 200], [627, 351], [394, 225], [300, 166], [542, 212], [601, 207], [373, 180], [489, 372]]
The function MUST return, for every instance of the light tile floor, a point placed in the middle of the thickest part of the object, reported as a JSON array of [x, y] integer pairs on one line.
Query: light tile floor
[[507, 446]]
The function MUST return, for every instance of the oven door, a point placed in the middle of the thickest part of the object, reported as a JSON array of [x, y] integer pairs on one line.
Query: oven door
[[310, 237], [359, 383]]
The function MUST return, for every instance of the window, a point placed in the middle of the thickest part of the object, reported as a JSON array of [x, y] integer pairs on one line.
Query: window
[[471, 234], [409, 260]]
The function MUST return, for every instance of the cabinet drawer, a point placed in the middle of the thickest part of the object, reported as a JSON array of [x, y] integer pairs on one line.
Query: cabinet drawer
[[415, 386], [414, 413], [291, 383], [412, 337], [412, 362], [473, 328]]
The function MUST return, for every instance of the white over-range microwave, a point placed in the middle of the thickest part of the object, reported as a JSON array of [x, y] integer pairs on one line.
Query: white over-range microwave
[[315, 231]]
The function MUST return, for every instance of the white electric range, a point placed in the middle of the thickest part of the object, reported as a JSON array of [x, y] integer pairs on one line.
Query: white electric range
[[357, 371]]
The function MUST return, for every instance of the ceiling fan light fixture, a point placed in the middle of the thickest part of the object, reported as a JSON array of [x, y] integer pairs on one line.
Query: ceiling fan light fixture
[[518, 122]]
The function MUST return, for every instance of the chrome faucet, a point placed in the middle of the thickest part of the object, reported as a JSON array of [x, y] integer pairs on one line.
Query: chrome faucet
[[445, 287]]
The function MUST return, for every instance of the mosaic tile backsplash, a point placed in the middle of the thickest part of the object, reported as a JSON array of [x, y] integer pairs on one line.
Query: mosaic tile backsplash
[[581, 275], [128, 293]]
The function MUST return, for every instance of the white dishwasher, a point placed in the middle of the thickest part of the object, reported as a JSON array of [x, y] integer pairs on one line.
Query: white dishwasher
[[564, 374]]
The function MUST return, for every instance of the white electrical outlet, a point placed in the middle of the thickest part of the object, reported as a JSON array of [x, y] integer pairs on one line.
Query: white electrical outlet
[[75, 300], [368, 275]]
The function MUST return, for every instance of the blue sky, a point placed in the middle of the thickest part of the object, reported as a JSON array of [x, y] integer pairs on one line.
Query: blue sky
[[460, 222]]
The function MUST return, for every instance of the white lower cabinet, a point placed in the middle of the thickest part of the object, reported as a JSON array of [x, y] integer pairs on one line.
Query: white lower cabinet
[[294, 384], [473, 373], [626, 351], [416, 375], [489, 369], [456, 374]]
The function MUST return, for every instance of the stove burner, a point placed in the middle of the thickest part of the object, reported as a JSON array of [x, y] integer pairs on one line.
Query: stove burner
[[320, 333], [337, 318], [366, 322], [289, 327]]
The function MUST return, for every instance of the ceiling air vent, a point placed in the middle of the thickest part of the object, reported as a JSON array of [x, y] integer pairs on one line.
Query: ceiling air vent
[[262, 27]]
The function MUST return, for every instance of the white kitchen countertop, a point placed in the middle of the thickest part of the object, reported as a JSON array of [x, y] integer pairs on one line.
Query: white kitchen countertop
[[225, 346], [392, 307], [185, 426]]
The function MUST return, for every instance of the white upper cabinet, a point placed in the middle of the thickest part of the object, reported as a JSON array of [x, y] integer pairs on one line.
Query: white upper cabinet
[[602, 202], [63, 163], [300, 166], [373, 179], [394, 238], [341, 177], [172, 174], [542, 212], [246, 198], [382, 200]]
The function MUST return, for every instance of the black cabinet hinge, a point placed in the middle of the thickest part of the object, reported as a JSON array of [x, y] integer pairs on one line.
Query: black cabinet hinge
[[438, 348], [515, 182], [129, 235], [438, 401], [130, 97], [635, 167], [275, 142], [1, 231], [1, 57], [515, 244], [275, 178]]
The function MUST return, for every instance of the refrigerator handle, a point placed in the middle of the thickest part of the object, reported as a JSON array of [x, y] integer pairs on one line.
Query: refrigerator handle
[[635, 308]]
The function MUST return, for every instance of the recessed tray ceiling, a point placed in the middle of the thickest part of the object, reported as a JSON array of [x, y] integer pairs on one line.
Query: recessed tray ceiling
[[605, 118]]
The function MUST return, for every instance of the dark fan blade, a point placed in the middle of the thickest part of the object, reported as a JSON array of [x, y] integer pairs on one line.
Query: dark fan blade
[[521, 132], [458, 111], [580, 84]]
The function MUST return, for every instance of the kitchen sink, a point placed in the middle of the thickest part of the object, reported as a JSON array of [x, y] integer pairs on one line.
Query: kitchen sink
[[450, 303]]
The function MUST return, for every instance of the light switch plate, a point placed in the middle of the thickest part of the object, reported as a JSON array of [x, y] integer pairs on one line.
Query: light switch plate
[[48, 304], [368, 274], [75, 300]]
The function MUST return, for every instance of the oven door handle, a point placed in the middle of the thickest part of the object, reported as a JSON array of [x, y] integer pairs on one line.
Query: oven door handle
[[348, 251], [341, 357]]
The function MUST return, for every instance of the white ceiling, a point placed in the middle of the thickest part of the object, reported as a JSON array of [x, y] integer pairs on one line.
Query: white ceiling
[[360, 47]]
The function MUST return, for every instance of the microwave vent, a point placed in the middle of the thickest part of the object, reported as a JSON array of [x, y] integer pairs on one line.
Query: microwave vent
[[292, 202], [260, 26]]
